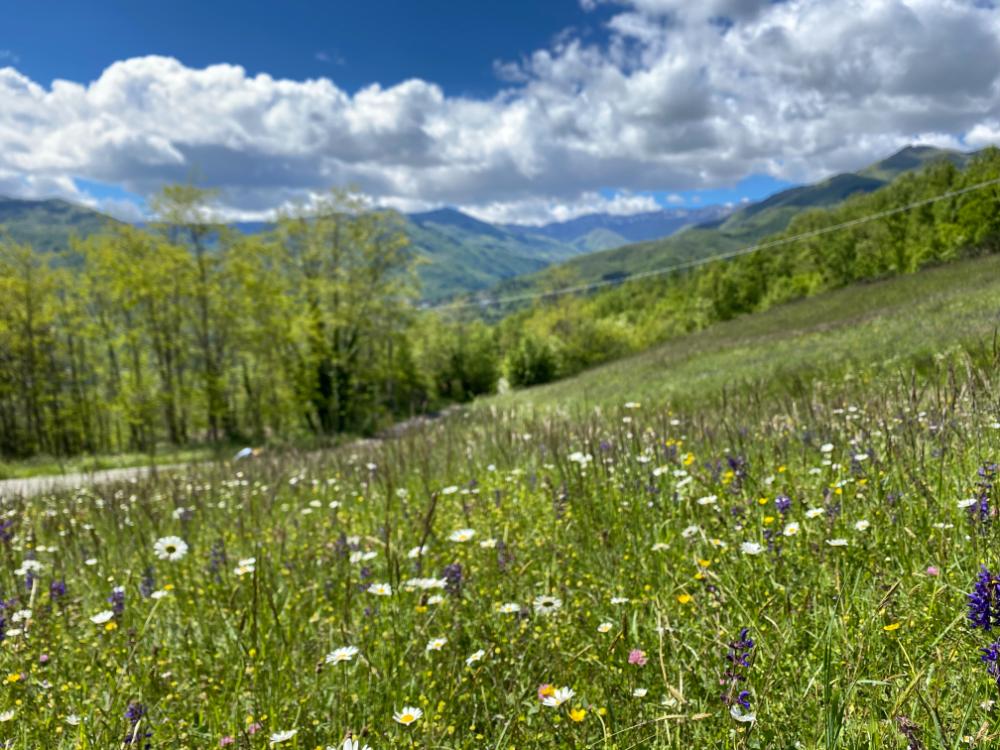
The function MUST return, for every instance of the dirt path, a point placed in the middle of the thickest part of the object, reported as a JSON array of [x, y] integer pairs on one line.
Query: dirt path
[[37, 485]]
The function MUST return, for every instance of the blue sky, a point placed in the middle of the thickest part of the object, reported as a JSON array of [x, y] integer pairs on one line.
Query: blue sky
[[523, 110], [355, 43]]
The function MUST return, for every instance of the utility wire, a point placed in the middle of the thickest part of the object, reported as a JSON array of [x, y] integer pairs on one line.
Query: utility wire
[[711, 259]]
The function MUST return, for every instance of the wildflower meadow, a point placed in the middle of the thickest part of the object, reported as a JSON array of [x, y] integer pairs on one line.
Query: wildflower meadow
[[810, 572]]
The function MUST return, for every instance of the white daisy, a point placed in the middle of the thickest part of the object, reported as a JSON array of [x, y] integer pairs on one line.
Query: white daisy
[[279, 737], [408, 715], [342, 654], [837, 542], [510, 608], [474, 657], [546, 605], [814, 512], [436, 644], [246, 566], [102, 617], [791, 529], [380, 589], [862, 525], [560, 696], [462, 535], [639, 693], [751, 548], [170, 548], [605, 627]]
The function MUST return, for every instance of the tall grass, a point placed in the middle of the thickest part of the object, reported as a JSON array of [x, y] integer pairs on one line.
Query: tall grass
[[606, 512]]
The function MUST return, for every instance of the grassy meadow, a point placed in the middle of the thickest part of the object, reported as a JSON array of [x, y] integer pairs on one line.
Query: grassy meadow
[[763, 535]]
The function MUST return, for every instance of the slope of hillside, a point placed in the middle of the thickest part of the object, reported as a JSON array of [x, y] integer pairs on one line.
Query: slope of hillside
[[743, 227], [864, 327], [48, 224]]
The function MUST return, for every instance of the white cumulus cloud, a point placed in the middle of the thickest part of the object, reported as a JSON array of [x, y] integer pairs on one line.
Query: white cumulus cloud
[[678, 96]]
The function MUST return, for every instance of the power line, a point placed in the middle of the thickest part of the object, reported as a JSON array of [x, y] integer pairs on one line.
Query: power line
[[711, 259]]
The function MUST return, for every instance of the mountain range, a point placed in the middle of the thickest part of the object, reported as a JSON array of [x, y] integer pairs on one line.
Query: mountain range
[[739, 229], [601, 231], [459, 254]]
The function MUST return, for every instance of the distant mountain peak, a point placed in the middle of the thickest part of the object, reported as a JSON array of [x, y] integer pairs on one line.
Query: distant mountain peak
[[627, 228], [909, 158]]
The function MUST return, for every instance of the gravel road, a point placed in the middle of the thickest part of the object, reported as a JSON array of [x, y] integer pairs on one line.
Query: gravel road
[[38, 485]]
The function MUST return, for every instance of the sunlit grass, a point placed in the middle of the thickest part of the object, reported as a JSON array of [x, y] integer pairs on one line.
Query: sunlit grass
[[485, 565]]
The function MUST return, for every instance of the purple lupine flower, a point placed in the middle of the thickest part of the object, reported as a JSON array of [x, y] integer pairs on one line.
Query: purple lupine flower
[[340, 545], [714, 469], [134, 712], [783, 503], [453, 575], [984, 601], [133, 715], [148, 583], [57, 590], [991, 657], [117, 600], [740, 657], [980, 512], [772, 547], [738, 465], [7, 530]]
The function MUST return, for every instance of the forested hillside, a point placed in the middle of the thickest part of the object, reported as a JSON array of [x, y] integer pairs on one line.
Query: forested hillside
[[743, 227], [453, 253], [565, 334], [312, 330], [48, 224]]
